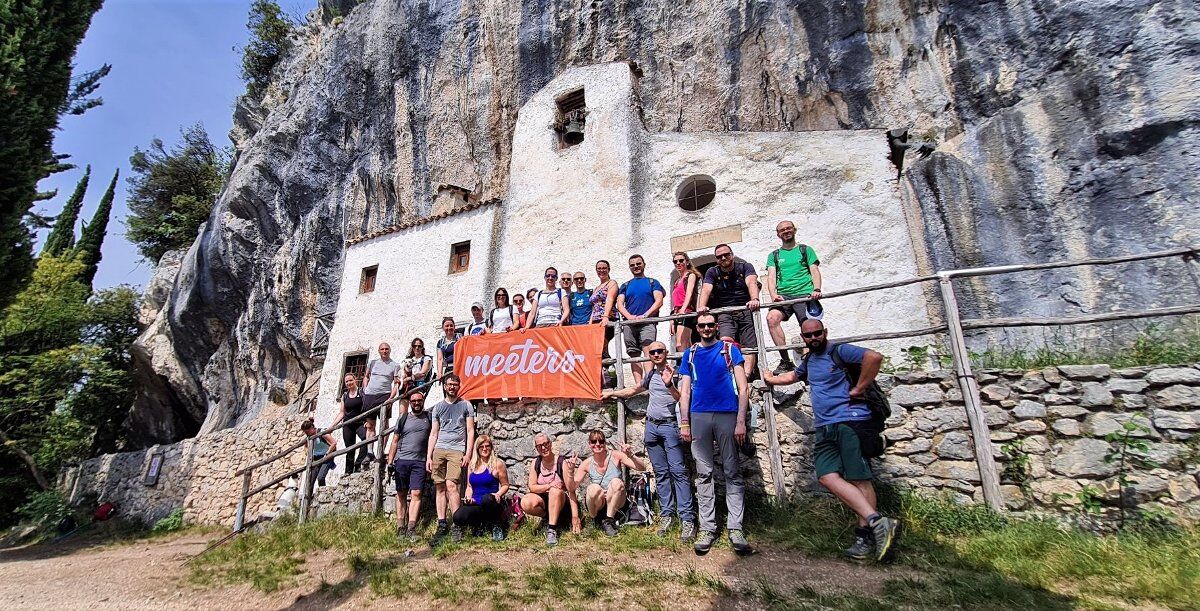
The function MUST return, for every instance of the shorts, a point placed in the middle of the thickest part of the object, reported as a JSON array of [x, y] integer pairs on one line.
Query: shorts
[[564, 512], [739, 327], [410, 475], [447, 466], [838, 449], [687, 323], [638, 337], [810, 310]]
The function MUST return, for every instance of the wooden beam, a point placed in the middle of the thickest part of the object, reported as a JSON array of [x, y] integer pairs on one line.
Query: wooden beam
[[775, 455], [1020, 321]]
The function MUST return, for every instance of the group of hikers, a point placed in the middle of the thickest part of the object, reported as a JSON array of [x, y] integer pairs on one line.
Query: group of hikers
[[698, 407]]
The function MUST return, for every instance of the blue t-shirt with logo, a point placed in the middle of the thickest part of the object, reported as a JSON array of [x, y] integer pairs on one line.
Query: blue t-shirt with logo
[[581, 307], [712, 382], [639, 294], [830, 385]]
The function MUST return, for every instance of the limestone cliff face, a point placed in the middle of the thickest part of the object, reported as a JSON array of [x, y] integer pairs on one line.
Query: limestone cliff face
[[1066, 129]]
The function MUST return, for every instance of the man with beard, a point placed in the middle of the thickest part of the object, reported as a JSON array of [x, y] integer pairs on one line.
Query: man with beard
[[406, 454]]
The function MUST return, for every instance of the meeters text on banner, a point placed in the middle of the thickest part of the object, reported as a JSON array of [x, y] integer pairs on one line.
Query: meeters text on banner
[[545, 363]]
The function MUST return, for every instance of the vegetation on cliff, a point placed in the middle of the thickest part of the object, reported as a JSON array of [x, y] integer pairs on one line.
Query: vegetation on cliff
[[270, 39]]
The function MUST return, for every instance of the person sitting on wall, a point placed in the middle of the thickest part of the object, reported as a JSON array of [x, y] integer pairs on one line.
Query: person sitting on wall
[[663, 444], [732, 282], [504, 316], [604, 299], [685, 294], [581, 300], [406, 454], [713, 401], [606, 489], [350, 405], [451, 449], [550, 496], [478, 326], [445, 347], [551, 307], [487, 483], [793, 272], [321, 446], [418, 367], [840, 415], [640, 297]]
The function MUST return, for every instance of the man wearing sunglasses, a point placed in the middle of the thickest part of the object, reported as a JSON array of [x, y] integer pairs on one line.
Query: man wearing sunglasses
[[842, 437], [663, 443], [732, 282], [713, 401]]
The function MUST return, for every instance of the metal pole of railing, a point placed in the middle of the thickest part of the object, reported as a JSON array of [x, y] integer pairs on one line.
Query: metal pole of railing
[[377, 492], [989, 477], [240, 519], [306, 482], [773, 451], [619, 357]]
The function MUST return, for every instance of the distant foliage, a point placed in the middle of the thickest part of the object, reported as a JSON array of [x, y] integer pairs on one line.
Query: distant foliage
[[172, 192], [270, 39], [45, 509], [62, 236], [92, 237]]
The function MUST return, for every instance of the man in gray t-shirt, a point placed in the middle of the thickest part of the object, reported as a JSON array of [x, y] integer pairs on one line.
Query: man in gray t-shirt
[[406, 454], [663, 444], [451, 447], [380, 381]]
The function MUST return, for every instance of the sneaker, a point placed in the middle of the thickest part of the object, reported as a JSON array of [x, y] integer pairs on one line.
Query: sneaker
[[411, 534], [401, 532], [551, 537], [705, 542], [884, 531], [864, 544], [740, 545], [442, 529], [498, 534], [609, 527], [784, 367], [687, 531], [664, 525], [456, 534]]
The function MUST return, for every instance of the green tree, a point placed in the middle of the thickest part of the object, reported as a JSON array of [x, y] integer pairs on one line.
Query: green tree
[[38, 39], [270, 40], [172, 192], [104, 399], [92, 237], [62, 237]]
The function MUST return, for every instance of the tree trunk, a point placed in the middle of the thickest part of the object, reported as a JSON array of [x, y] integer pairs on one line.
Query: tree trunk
[[25, 456]]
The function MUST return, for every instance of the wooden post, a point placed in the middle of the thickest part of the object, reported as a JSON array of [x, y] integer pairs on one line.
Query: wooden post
[[306, 481], [773, 451], [988, 475], [377, 493], [619, 365], [240, 520]]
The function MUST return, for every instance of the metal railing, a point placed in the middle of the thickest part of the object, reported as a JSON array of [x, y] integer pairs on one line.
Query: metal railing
[[953, 326]]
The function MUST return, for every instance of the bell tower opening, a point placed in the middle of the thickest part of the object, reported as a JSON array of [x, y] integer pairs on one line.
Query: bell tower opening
[[571, 118]]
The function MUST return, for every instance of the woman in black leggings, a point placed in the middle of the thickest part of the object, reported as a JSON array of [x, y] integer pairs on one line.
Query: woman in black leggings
[[487, 483], [350, 405]]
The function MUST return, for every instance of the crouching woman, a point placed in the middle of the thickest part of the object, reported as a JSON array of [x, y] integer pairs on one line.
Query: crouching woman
[[487, 483]]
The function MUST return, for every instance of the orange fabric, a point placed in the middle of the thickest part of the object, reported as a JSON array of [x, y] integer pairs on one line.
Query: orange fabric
[[545, 363]]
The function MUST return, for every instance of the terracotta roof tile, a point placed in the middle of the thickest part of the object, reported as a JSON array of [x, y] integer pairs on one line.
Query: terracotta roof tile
[[421, 221]]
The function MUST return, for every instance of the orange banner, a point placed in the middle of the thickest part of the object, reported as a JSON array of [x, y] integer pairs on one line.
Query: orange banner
[[545, 363]]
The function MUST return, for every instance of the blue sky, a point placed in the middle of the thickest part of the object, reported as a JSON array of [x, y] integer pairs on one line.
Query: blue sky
[[174, 64]]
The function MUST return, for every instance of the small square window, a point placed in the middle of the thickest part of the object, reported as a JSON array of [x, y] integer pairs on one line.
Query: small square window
[[460, 257], [367, 283]]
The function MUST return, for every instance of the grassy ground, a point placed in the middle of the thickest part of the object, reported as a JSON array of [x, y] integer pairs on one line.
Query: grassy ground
[[949, 557]]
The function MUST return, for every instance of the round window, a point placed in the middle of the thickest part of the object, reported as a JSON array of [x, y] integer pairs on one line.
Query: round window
[[696, 192]]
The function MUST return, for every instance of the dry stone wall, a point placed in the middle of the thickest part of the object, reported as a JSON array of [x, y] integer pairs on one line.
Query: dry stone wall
[[1055, 431]]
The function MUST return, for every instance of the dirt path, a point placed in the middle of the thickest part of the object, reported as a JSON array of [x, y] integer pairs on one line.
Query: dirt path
[[152, 575]]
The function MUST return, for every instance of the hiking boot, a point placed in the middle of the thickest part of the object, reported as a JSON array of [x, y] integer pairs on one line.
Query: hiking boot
[[664, 525], [609, 527], [740, 545], [456, 534], [442, 529], [884, 532], [784, 367], [498, 534], [864, 544], [705, 542], [551, 537], [401, 532], [687, 531], [411, 534]]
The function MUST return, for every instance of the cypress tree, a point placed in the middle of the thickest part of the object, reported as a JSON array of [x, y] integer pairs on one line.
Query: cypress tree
[[62, 237], [92, 237]]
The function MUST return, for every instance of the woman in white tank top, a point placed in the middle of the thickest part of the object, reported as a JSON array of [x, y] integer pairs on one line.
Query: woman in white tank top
[[550, 308]]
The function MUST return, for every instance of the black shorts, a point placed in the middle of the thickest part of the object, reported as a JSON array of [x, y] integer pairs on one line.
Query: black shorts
[[410, 475], [687, 323], [739, 327], [564, 513]]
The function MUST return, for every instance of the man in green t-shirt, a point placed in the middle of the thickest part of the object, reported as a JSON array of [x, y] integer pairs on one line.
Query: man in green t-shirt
[[793, 272]]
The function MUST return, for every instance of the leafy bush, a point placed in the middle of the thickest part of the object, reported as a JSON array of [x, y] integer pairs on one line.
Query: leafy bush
[[171, 523], [45, 509], [270, 40]]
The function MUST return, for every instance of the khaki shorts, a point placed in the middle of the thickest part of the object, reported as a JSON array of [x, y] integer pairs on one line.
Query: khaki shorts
[[447, 466]]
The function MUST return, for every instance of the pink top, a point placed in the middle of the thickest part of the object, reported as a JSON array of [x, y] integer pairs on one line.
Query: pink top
[[679, 291], [547, 478]]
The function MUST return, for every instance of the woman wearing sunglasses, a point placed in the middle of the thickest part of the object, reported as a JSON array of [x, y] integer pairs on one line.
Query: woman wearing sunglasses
[[606, 489], [603, 299], [684, 294], [487, 483], [504, 316], [551, 307], [418, 367]]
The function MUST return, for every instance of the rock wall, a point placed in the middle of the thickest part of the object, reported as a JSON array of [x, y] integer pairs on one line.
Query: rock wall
[[1067, 130]]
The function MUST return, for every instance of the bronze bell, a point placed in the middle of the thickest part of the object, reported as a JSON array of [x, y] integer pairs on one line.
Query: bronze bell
[[573, 133]]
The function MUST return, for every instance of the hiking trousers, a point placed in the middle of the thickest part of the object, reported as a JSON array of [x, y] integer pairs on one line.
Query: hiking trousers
[[665, 450], [711, 429]]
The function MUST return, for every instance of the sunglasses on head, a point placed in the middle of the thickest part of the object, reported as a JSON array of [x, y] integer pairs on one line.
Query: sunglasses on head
[[813, 334], [706, 325], [657, 351]]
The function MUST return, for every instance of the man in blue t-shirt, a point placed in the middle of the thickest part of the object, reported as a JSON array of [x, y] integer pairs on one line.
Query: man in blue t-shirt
[[640, 297], [840, 415], [713, 400], [581, 300]]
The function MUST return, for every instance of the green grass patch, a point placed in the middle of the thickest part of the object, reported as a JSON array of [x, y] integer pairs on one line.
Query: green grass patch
[[1130, 344]]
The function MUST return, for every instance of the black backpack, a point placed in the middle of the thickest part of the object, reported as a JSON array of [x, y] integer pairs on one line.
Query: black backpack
[[779, 272], [875, 398]]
